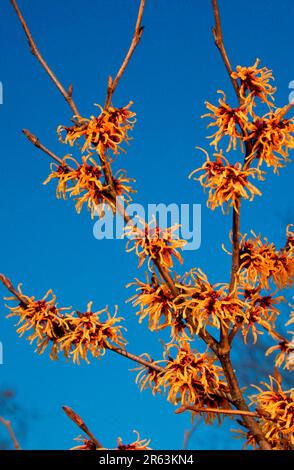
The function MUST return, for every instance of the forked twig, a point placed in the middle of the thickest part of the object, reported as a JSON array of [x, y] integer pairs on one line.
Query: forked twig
[[112, 84]]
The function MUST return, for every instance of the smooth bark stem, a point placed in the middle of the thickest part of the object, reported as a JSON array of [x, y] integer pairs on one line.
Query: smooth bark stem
[[239, 402]]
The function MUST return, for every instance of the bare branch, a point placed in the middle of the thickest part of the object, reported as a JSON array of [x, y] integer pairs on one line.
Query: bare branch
[[9, 428], [35, 51], [35, 141], [218, 38]]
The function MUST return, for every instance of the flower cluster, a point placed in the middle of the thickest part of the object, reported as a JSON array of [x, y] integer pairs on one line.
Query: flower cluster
[[72, 333], [226, 183], [154, 243], [209, 304], [261, 262], [85, 184], [276, 408], [190, 378], [102, 133]]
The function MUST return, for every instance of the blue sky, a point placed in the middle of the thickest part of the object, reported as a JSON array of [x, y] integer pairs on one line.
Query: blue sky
[[45, 244]]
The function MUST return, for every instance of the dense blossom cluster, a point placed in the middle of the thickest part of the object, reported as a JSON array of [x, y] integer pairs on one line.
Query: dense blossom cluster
[[102, 133], [266, 139], [75, 334], [189, 378]]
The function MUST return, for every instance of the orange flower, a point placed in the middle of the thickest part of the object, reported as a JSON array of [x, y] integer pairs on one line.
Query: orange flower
[[193, 378], [84, 183], [160, 306], [211, 305], [91, 334], [160, 245], [230, 122], [105, 132], [285, 350], [260, 262], [255, 82], [276, 407], [273, 138], [260, 311], [73, 333], [226, 183], [42, 317], [86, 444], [138, 444], [147, 376]]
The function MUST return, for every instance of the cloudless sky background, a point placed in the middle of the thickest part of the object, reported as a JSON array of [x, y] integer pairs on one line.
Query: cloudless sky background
[[45, 244]]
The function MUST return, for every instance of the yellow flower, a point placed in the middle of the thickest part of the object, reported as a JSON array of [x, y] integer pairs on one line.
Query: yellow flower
[[254, 82], [105, 132], [226, 183], [230, 122]]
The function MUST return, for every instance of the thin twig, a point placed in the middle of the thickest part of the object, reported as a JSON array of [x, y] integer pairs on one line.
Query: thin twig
[[188, 434], [138, 359], [36, 142], [218, 38], [112, 84], [82, 425], [164, 273], [35, 51], [9, 428], [197, 409]]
